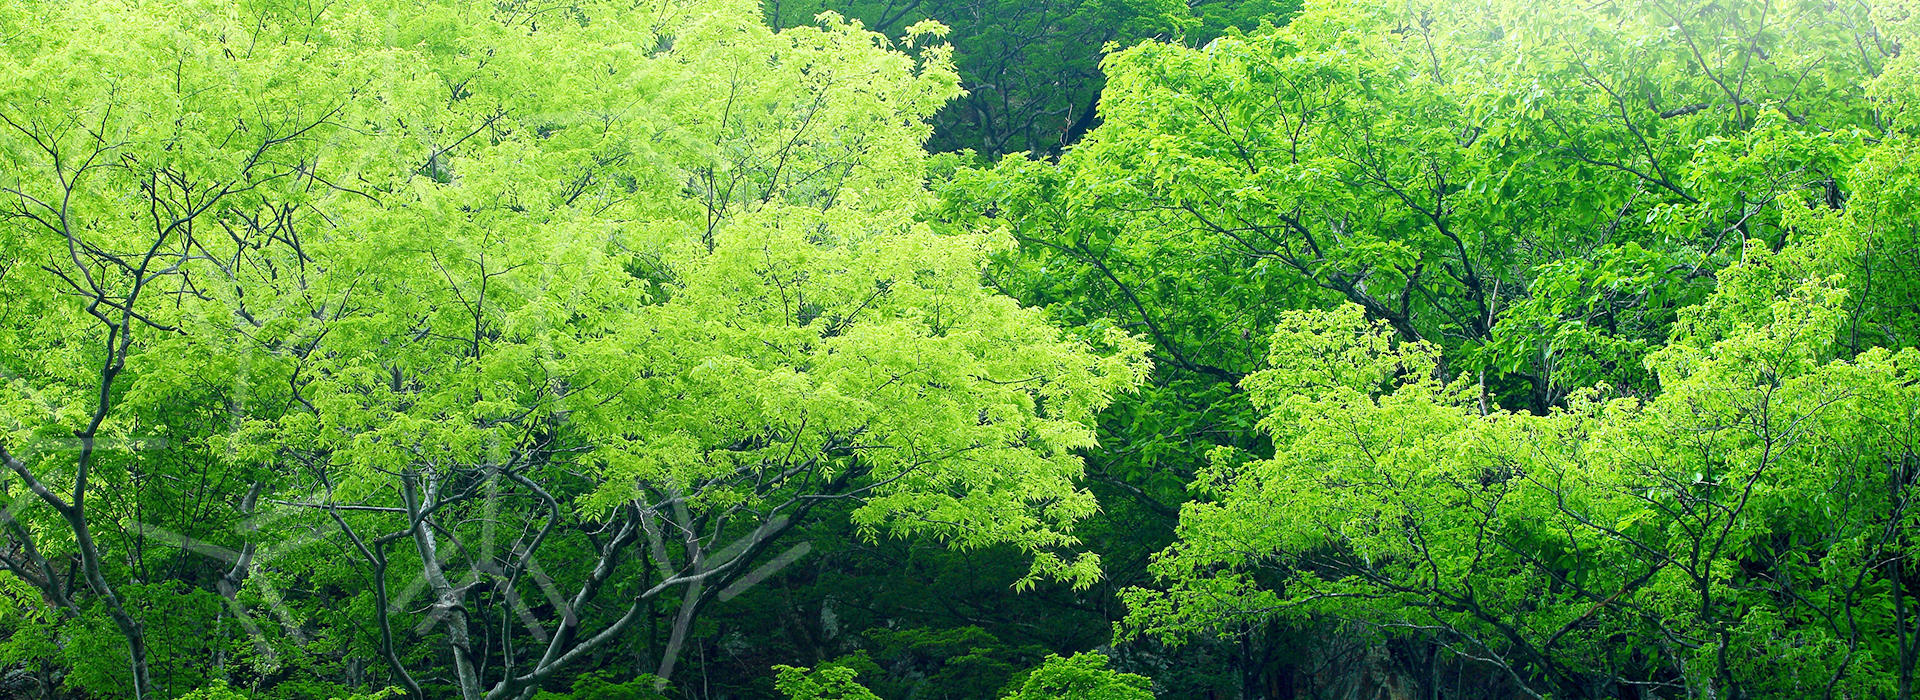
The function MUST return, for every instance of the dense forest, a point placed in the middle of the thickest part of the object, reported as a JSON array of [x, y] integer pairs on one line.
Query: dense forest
[[959, 349]]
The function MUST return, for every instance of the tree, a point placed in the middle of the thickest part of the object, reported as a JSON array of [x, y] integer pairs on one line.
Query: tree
[[827, 683], [1538, 218], [1735, 535], [516, 308], [1082, 676], [500, 349]]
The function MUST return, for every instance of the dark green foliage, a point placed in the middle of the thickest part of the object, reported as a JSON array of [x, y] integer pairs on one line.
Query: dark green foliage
[[600, 685], [1031, 68]]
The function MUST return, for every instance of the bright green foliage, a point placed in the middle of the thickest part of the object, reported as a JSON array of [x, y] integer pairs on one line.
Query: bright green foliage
[[1531, 199], [1875, 243], [1738, 533], [546, 319], [1537, 216], [1085, 676], [25, 627], [496, 350], [825, 683], [219, 690]]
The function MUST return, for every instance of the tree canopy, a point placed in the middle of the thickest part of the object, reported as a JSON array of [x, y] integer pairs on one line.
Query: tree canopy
[[1009, 349], [515, 305]]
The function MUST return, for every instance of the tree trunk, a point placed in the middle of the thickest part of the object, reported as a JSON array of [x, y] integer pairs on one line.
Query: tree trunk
[[448, 600]]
